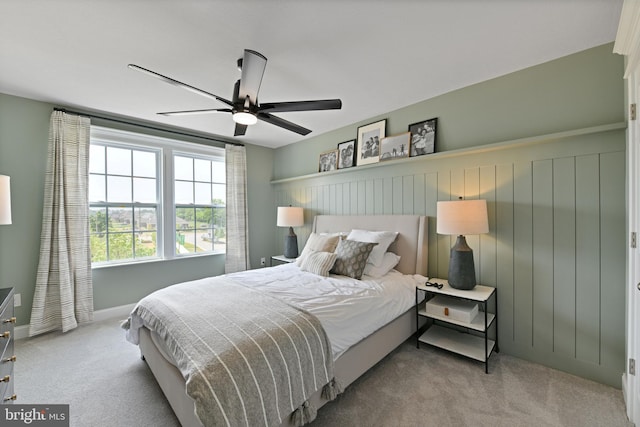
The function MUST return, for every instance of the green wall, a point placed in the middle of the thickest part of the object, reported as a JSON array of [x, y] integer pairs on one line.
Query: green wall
[[577, 91], [545, 147], [556, 248], [24, 129], [24, 126]]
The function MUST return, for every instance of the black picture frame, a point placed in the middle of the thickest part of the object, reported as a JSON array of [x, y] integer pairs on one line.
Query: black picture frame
[[328, 161], [423, 137], [369, 137], [347, 154]]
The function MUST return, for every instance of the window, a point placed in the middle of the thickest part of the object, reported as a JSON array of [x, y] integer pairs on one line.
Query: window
[[154, 198], [123, 195], [199, 188]]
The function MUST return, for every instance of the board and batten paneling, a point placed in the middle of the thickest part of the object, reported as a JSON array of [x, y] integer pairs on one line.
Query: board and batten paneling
[[555, 249]]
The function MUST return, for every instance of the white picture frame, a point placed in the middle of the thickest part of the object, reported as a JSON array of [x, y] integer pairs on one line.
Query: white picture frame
[[369, 138]]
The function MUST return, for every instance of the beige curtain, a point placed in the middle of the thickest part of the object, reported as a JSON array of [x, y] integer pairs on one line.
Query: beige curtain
[[64, 289], [237, 258]]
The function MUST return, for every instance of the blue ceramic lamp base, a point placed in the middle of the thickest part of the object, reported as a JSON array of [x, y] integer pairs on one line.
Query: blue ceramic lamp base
[[291, 245], [462, 271]]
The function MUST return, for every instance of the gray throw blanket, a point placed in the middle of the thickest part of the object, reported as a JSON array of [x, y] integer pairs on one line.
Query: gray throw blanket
[[249, 359]]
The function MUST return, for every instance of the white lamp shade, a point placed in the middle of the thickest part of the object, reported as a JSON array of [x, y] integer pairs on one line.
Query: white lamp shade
[[462, 217], [5, 200], [289, 216]]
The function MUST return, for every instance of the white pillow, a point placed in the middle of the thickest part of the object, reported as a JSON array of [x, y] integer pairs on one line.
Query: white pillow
[[389, 260], [383, 239], [319, 263], [318, 243]]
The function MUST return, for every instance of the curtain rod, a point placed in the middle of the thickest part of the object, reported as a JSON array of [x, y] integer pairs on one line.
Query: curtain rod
[[93, 116]]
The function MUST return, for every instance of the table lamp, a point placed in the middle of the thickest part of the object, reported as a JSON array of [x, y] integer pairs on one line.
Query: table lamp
[[5, 200], [289, 216], [460, 218]]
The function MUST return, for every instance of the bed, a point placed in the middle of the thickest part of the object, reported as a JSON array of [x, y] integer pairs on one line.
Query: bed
[[348, 362]]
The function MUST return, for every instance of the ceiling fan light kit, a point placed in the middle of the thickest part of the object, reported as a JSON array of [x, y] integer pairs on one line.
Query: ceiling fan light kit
[[244, 107], [243, 118]]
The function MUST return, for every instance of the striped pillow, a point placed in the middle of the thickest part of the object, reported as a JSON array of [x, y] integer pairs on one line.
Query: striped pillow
[[319, 263], [318, 243]]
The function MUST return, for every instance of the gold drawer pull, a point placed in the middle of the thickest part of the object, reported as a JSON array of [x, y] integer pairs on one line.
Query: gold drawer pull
[[6, 379], [12, 397], [10, 359], [5, 335], [10, 320]]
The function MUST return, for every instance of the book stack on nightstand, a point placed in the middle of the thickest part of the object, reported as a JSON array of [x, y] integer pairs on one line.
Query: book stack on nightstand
[[447, 307]]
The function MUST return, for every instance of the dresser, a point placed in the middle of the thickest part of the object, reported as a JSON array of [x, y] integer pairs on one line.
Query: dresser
[[7, 355]]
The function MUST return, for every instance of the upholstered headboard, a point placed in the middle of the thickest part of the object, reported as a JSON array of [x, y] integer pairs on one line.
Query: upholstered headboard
[[411, 243]]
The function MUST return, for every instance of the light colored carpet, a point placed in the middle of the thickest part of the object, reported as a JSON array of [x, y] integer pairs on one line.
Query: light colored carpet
[[101, 376]]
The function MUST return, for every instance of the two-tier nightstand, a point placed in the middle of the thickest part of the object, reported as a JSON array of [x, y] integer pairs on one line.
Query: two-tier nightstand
[[441, 334]]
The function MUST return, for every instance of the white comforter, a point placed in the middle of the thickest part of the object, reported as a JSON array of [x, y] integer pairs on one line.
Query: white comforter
[[348, 309]]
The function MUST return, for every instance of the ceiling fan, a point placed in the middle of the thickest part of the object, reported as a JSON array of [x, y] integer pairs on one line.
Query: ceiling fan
[[245, 107]]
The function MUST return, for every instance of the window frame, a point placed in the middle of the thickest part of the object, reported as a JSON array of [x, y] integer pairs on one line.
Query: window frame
[[166, 214], [134, 205], [195, 204]]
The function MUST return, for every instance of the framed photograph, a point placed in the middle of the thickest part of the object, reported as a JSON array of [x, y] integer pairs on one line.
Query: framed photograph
[[328, 161], [423, 137], [369, 137], [395, 147], [347, 154]]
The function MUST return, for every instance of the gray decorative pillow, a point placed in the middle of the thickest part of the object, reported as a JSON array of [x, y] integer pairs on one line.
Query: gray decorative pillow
[[351, 258]]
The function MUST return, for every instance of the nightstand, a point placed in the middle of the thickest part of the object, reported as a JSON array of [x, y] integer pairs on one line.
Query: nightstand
[[443, 334], [281, 259]]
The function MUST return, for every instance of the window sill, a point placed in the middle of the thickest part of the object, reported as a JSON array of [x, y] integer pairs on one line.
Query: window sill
[[152, 261]]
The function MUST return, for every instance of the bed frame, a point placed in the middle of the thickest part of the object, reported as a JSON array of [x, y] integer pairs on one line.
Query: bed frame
[[411, 245]]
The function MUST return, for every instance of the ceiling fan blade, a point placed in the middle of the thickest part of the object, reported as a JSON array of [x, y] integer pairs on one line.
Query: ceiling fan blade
[[270, 118], [278, 107], [240, 130], [253, 65], [194, 112], [180, 84]]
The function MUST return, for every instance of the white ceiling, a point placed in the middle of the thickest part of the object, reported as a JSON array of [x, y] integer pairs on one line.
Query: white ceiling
[[376, 55]]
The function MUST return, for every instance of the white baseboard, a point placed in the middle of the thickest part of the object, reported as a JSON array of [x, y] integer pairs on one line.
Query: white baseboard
[[122, 311], [20, 332]]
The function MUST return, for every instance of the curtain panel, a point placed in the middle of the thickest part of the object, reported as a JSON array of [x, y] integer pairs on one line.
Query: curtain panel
[[237, 258], [64, 290]]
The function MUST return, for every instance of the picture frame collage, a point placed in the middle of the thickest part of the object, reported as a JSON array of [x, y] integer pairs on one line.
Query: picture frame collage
[[372, 145]]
